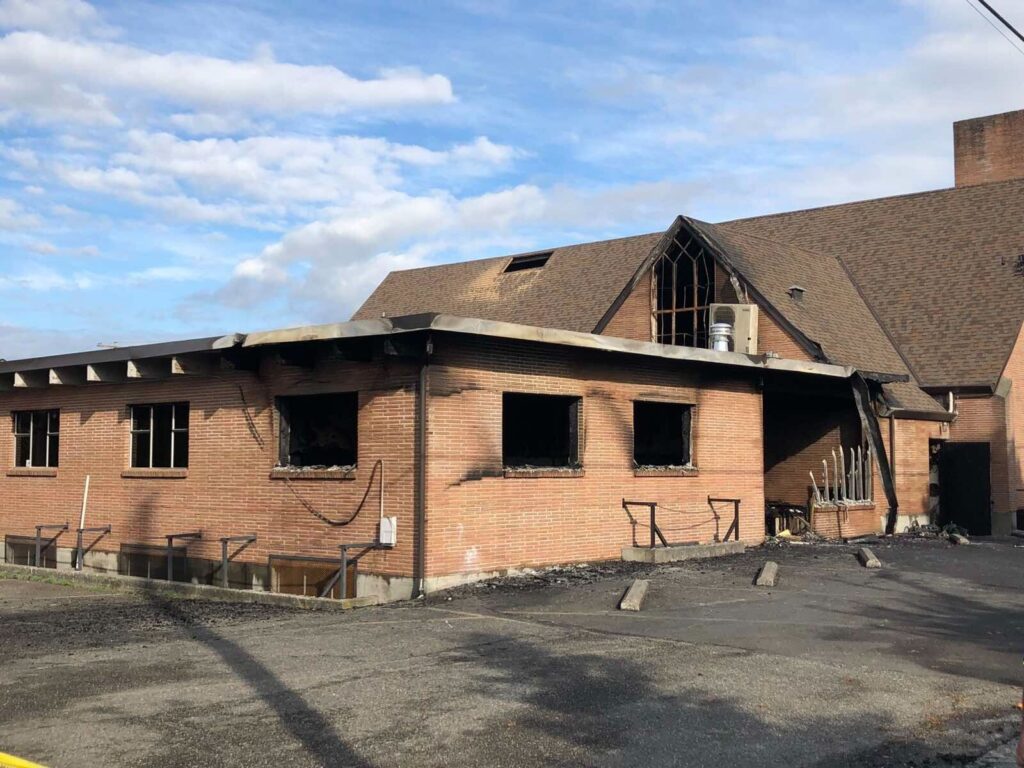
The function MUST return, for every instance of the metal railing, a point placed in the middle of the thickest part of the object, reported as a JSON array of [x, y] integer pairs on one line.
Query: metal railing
[[658, 535], [851, 482]]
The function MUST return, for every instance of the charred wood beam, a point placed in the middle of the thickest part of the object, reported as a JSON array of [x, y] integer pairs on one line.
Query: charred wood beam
[[237, 359], [409, 347], [298, 355], [354, 350], [884, 378], [869, 423]]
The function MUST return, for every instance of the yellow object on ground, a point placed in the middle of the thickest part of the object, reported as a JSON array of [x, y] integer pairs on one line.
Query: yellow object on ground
[[10, 761]]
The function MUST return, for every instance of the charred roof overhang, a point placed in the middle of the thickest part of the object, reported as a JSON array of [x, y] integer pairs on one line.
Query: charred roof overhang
[[301, 346]]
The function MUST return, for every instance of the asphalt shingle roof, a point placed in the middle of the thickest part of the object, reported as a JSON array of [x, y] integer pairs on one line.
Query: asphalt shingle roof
[[928, 284], [572, 291], [938, 268]]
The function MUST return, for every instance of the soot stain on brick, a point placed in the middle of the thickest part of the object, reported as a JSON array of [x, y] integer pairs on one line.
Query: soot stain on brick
[[479, 473]]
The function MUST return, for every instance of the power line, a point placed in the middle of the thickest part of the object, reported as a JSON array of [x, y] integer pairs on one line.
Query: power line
[[993, 24], [1007, 24]]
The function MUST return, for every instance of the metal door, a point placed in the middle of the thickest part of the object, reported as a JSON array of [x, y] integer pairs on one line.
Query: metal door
[[965, 487]]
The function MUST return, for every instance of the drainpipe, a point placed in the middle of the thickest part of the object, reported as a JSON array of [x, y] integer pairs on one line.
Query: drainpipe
[[420, 568]]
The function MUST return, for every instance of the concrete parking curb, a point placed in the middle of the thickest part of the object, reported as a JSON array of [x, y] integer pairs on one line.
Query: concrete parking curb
[[137, 585], [867, 558], [633, 600], [768, 574]]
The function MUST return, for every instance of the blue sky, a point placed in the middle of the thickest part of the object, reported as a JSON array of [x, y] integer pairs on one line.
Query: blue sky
[[176, 169]]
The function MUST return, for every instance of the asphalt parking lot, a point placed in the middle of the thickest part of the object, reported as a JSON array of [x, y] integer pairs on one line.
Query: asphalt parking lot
[[916, 664]]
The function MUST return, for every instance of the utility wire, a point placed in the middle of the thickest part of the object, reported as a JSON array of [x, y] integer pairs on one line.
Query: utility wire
[[1007, 24], [994, 26]]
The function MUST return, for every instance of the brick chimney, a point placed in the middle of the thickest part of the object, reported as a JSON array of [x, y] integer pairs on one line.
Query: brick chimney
[[989, 148]]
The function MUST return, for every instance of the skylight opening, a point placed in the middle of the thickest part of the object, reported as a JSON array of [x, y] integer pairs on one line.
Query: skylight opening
[[529, 261]]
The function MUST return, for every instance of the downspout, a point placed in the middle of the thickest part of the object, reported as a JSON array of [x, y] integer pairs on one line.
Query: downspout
[[420, 569], [869, 423]]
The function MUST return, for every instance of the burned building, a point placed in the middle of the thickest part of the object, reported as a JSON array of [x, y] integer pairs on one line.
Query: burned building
[[850, 369]]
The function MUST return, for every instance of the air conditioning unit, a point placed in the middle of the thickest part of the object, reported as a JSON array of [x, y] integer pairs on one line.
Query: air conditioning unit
[[743, 319]]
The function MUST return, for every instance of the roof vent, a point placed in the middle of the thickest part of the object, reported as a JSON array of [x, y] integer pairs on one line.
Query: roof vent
[[1018, 267], [796, 292], [528, 261]]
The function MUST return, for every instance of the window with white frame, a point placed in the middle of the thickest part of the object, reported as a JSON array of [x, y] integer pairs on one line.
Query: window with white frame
[[160, 435], [36, 438]]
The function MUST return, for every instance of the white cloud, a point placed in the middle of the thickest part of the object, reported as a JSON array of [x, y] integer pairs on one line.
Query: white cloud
[[42, 247], [14, 217], [57, 78], [211, 124], [60, 17], [265, 181], [25, 158], [333, 263], [43, 279]]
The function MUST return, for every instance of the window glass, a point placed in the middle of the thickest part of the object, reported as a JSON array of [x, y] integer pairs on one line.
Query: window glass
[[160, 435], [36, 438]]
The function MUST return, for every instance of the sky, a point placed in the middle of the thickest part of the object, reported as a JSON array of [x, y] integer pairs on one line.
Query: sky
[[182, 169]]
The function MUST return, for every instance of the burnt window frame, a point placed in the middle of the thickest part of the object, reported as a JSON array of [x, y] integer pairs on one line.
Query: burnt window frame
[[174, 447], [687, 414], [678, 306], [283, 406], [574, 442], [49, 434]]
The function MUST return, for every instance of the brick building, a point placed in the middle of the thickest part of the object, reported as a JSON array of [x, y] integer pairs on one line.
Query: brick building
[[501, 422]]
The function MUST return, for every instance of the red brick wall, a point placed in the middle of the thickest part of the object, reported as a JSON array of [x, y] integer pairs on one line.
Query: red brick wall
[[481, 520], [834, 522], [633, 318], [989, 148], [228, 490], [1015, 426], [911, 464], [772, 338], [478, 520]]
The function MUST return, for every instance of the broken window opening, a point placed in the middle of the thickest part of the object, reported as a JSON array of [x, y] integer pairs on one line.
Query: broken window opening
[[540, 430], [160, 436], [21, 550], [661, 434], [684, 288], [36, 438], [528, 261], [319, 431]]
